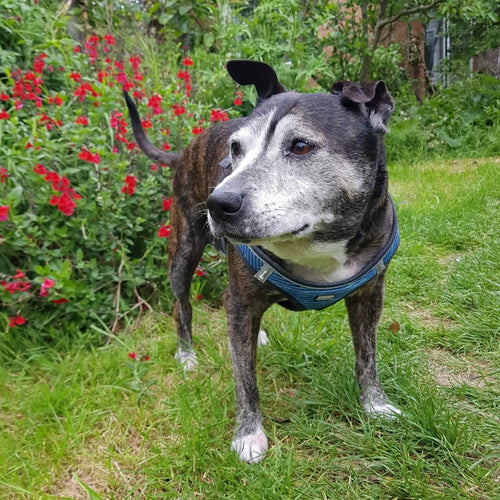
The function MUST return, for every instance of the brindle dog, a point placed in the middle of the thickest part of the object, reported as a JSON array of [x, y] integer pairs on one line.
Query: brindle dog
[[303, 178]]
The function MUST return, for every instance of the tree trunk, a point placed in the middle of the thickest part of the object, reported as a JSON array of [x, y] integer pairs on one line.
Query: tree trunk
[[74, 22], [377, 33], [382, 22]]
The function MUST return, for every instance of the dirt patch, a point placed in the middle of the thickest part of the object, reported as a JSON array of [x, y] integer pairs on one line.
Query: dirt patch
[[428, 320], [102, 469], [450, 370], [461, 164]]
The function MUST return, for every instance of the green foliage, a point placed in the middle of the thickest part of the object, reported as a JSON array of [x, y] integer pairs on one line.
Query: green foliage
[[461, 120], [19, 33]]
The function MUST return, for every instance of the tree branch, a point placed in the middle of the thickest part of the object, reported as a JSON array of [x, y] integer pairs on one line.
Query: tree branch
[[407, 12]]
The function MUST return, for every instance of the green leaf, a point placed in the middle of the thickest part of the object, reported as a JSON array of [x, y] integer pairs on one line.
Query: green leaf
[[208, 40], [15, 196], [165, 18]]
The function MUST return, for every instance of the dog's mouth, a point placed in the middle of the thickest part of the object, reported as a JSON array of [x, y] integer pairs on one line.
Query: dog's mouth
[[253, 238]]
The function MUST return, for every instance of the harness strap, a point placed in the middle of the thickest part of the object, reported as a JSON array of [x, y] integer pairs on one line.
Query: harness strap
[[304, 295]]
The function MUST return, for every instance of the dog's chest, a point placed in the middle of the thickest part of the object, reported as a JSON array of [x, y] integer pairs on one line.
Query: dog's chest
[[318, 262]]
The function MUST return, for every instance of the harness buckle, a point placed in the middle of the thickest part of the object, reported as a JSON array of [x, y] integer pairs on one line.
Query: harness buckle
[[380, 266], [264, 272]]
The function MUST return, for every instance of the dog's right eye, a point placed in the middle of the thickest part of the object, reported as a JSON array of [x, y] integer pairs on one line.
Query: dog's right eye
[[301, 148], [235, 149]]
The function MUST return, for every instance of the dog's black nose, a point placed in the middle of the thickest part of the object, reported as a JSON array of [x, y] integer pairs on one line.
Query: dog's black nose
[[225, 204]]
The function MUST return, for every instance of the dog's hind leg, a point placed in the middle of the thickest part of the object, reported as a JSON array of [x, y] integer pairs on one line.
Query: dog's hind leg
[[364, 308], [185, 251]]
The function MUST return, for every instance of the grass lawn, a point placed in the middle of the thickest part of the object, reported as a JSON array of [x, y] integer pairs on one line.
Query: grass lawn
[[80, 419]]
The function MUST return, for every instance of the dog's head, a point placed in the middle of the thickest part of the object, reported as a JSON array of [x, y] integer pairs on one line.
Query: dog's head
[[303, 165]]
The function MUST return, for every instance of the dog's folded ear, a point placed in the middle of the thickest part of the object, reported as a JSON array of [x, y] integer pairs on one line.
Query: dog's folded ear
[[256, 73], [371, 98]]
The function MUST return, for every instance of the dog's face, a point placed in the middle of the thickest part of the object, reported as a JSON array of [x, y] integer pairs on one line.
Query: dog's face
[[303, 167]]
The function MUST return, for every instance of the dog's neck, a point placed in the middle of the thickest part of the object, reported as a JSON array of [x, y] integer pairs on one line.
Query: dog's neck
[[338, 260]]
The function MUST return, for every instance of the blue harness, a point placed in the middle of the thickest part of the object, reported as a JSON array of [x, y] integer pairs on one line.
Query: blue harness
[[304, 295]]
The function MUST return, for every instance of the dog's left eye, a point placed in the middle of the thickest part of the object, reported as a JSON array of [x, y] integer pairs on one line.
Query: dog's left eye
[[300, 147]]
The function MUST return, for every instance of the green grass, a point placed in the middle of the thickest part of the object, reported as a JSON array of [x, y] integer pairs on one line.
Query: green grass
[[79, 419]]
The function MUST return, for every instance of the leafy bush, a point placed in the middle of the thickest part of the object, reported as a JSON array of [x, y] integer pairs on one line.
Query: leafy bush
[[461, 120], [83, 215]]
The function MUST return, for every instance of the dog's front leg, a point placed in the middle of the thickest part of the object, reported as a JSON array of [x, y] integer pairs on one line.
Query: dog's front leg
[[244, 312], [364, 308]]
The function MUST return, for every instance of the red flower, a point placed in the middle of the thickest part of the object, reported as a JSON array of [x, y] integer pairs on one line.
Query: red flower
[[130, 184], [135, 61], [82, 120], [109, 39], [4, 115], [178, 109], [93, 40], [3, 174], [83, 90], [40, 169], [114, 121], [147, 124], [238, 101], [46, 285], [39, 64], [4, 96], [164, 231], [132, 355], [101, 75], [54, 200], [57, 100], [86, 155], [60, 301], [167, 203], [187, 61], [138, 94], [197, 130], [199, 272], [76, 77], [19, 275], [64, 203], [216, 115], [4, 212], [154, 102], [16, 321]]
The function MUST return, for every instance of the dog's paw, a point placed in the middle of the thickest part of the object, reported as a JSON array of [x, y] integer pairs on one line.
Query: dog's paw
[[263, 339], [187, 358], [251, 448], [381, 409]]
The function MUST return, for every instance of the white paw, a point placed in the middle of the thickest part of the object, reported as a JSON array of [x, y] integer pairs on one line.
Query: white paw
[[263, 339], [381, 409], [251, 448], [187, 358]]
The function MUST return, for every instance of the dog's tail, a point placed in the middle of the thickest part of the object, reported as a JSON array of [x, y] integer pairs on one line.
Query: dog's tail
[[145, 145]]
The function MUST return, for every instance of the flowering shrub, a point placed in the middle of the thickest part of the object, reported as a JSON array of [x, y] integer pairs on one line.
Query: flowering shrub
[[84, 216]]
